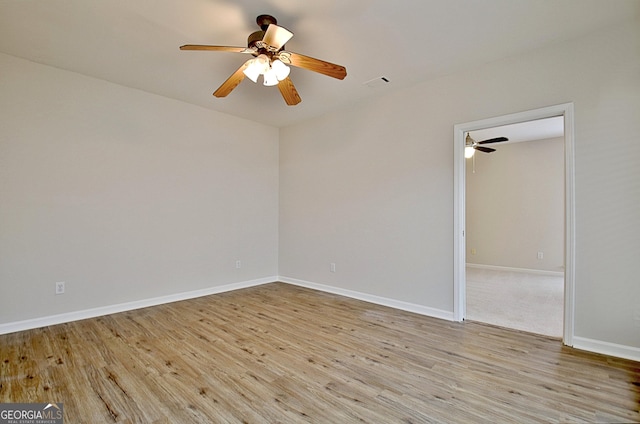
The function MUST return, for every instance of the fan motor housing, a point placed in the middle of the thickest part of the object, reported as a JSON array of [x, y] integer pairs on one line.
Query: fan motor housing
[[254, 38]]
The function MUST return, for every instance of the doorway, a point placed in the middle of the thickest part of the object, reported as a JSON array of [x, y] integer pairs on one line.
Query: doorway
[[514, 196], [460, 238]]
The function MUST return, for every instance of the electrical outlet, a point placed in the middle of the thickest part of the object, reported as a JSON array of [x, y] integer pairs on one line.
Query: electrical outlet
[[332, 267], [238, 264], [473, 251], [540, 255], [60, 287]]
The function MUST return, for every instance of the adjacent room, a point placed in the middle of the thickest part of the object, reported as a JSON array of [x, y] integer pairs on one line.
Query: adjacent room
[[515, 218], [245, 211]]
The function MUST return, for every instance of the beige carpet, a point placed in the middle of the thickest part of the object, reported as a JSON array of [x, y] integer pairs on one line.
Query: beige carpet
[[519, 300]]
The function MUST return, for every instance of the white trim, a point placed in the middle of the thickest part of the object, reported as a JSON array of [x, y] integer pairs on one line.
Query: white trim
[[570, 226], [128, 306], [521, 270], [606, 348], [459, 219], [378, 300], [459, 257]]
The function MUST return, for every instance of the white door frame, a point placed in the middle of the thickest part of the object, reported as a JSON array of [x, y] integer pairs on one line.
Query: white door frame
[[459, 260]]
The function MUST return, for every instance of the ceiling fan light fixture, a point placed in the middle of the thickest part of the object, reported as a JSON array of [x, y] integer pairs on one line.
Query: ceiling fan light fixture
[[469, 152], [281, 70], [252, 70], [256, 67], [270, 78]]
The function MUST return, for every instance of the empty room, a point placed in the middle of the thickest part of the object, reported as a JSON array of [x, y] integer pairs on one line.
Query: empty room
[[254, 211]]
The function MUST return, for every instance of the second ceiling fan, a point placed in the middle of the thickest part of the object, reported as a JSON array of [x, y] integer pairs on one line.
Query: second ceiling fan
[[270, 60], [470, 145]]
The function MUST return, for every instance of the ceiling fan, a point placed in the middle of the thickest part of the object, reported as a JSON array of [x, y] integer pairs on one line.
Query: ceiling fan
[[270, 60], [470, 145]]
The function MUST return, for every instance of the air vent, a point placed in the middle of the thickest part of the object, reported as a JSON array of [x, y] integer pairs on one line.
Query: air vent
[[377, 82]]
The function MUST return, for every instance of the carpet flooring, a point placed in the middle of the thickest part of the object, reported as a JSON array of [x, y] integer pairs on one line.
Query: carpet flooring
[[517, 300]]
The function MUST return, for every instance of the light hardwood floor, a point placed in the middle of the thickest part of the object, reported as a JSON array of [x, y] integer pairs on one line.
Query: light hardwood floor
[[280, 353]]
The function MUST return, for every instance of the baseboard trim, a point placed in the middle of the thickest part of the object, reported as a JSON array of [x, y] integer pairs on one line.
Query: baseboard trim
[[29, 324], [582, 343], [606, 348], [523, 270], [378, 300]]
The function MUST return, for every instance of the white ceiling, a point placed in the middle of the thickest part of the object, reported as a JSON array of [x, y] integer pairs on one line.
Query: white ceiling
[[135, 43]]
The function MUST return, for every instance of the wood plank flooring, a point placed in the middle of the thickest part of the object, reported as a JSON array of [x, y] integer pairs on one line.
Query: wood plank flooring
[[280, 353]]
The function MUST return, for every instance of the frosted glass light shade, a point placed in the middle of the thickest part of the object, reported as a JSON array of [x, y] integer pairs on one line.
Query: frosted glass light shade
[[281, 70], [252, 71], [469, 152], [270, 78], [256, 66]]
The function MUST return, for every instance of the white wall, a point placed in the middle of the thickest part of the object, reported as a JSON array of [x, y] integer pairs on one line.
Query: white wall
[[515, 206], [124, 195], [371, 188], [361, 190]]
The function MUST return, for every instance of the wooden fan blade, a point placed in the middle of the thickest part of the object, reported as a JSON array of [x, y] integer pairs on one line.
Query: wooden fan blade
[[231, 82], [485, 149], [276, 36], [289, 92], [215, 48], [493, 140], [317, 65]]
